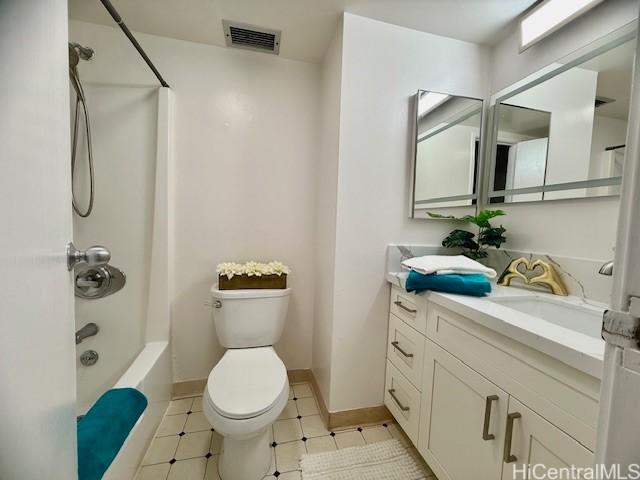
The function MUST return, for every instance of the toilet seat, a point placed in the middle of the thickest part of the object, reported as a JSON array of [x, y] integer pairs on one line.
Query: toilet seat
[[246, 383]]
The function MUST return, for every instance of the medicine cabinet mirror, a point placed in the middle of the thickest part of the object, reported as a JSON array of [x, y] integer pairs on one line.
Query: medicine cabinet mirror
[[447, 151], [561, 133]]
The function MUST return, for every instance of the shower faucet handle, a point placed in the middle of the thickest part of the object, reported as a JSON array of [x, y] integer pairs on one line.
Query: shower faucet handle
[[95, 256]]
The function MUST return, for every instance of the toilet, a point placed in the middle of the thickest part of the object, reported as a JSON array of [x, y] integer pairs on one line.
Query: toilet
[[248, 388]]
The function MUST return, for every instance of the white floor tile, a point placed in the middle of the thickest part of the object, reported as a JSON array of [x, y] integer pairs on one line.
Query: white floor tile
[[171, 425], [182, 405], [288, 456], [313, 426], [376, 434], [287, 430], [216, 443], [212, 469], [290, 476], [290, 393], [349, 439], [397, 433], [307, 406], [197, 404], [321, 444], [192, 469], [197, 422], [194, 445], [302, 390], [290, 411], [162, 449], [154, 472]]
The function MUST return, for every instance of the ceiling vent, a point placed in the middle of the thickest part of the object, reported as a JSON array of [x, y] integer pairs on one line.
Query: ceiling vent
[[250, 37], [600, 101]]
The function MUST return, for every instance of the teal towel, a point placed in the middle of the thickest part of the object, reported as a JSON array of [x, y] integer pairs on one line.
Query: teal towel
[[105, 427], [477, 285]]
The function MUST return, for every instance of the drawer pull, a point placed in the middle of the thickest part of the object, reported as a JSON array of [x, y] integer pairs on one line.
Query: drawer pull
[[487, 417], [406, 309], [392, 392], [508, 457], [396, 345]]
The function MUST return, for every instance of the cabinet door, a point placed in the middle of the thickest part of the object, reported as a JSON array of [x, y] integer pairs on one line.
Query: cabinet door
[[462, 419], [538, 444]]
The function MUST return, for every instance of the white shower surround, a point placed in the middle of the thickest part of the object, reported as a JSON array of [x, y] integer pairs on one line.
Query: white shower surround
[[149, 371]]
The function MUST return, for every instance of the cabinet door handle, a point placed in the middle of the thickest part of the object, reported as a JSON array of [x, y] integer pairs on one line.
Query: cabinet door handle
[[406, 309], [392, 392], [487, 417], [396, 345], [508, 457]]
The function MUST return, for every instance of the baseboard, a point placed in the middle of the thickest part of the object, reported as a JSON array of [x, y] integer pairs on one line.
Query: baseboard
[[333, 420], [347, 418], [190, 388]]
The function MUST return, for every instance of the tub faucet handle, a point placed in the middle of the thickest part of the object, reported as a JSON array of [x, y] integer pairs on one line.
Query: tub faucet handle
[[95, 256]]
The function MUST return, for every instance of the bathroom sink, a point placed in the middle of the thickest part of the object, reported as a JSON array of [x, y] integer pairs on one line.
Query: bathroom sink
[[579, 317]]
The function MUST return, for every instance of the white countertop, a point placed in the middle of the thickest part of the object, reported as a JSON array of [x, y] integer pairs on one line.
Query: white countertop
[[581, 351]]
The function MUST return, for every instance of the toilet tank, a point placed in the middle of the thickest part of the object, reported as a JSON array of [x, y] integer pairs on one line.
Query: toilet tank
[[249, 318]]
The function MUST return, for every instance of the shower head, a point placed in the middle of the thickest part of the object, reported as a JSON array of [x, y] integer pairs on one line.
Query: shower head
[[85, 53]]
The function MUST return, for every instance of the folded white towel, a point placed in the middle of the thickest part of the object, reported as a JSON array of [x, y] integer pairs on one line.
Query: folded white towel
[[444, 264]]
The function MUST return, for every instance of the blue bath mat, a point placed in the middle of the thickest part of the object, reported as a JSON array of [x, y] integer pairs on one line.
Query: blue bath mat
[[105, 427]]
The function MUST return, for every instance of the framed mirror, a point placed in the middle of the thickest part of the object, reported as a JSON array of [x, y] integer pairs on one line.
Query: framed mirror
[[560, 133], [447, 151]]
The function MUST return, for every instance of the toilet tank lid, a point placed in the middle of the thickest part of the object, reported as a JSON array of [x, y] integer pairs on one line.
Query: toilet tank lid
[[249, 293]]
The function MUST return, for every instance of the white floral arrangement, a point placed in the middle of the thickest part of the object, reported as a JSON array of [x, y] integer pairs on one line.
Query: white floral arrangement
[[252, 268]]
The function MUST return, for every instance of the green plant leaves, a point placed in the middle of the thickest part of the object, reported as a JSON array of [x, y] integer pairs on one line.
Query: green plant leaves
[[483, 217], [493, 236], [460, 238], [488, 236]]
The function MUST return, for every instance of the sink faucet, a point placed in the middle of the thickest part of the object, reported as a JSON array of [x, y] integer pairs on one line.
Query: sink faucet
[[548, 278], [606, 269]]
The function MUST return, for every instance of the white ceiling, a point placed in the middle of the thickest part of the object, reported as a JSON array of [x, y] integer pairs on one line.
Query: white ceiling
[[307, 25]]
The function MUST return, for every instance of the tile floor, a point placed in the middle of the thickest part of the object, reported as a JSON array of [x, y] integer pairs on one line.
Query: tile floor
[[186, 447]]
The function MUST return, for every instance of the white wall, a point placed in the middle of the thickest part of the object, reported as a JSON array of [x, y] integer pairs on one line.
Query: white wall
[[543, 227], [37, 374], [382, 67], [326, 207], [245, 150]]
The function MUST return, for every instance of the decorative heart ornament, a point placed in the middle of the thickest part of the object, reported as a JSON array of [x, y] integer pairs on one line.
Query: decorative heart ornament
[[524, 269]]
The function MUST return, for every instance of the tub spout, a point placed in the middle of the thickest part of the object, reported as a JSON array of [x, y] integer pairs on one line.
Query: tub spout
[[89, 330]]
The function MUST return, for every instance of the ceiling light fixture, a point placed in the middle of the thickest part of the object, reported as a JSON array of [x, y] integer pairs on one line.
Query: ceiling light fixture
[[549, 16]]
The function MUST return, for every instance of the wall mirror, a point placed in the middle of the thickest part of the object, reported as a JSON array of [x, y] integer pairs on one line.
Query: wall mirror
[[447, 151], [561, 133]]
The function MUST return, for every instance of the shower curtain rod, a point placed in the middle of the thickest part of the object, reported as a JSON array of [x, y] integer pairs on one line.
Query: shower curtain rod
[[116, 16]]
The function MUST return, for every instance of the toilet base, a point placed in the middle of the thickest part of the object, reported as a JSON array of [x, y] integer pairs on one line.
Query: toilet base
[[246, 458]]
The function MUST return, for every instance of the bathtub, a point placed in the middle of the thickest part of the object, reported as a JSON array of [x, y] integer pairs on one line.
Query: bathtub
[[150, 373]]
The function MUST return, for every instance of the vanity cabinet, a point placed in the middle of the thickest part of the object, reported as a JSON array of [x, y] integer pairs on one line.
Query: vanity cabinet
[[476, 402]]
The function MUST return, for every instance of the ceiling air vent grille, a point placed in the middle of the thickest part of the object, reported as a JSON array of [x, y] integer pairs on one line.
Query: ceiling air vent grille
[[250, 37]]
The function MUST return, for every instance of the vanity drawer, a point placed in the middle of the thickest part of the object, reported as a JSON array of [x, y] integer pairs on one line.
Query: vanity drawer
[[410, 308], [405, 349], [403, 401], [559, 393]]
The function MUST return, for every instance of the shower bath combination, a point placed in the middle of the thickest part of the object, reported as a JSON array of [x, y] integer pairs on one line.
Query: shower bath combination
[[76, 53]]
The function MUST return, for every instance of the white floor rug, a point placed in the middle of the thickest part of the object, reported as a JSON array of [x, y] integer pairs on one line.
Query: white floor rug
[[379, 461]]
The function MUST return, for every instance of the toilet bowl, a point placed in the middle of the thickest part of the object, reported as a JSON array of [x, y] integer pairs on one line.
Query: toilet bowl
[[248, 388], [246, 392]]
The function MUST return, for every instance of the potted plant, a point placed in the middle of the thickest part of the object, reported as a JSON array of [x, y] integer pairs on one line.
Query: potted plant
[[474, 245], [252, 275]]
